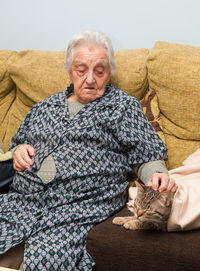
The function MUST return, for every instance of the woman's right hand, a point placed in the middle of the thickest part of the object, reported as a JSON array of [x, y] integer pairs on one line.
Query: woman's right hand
[[22, 157]]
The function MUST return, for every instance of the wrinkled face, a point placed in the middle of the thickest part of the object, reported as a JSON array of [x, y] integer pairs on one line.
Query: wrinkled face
[[90, 73]]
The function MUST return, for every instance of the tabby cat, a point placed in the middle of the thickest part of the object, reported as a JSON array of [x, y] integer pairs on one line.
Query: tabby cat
[[151, 209]]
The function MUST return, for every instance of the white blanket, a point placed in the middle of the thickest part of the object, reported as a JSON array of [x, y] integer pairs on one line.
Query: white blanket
[[185, 213]]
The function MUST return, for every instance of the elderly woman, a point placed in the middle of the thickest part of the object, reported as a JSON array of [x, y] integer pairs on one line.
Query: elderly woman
[[73, 153]]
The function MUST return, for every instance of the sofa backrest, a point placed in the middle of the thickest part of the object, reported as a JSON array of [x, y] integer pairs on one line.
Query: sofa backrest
[[7, 88], [174, 73]]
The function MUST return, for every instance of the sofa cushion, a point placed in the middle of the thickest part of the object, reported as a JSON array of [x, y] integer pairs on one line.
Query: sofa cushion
[[174, 73], [115, 248], [131, 72], [7, 88]]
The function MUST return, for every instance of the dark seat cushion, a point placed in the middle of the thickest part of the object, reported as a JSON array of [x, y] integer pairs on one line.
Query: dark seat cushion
[[114, 248], [6, 175]]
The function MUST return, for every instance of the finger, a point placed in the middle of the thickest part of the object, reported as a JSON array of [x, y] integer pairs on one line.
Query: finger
[[31, 150], [174, 188], [171, 184], [17, 167], [149, 183], [21, 163], [155, 181], [20, 159], [164, 180], [24, 155]]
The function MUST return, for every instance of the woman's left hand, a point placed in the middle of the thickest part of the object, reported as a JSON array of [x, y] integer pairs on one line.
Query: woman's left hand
[[162, 182]]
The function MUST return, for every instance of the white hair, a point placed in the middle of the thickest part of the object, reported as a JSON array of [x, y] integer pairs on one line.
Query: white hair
[[94, 38]]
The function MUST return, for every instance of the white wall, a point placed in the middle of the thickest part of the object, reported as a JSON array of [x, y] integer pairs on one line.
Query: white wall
[[49, 24]]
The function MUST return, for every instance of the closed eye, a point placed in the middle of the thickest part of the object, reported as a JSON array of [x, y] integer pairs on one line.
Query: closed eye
[[159, 213], [99, 70], [80, 72]]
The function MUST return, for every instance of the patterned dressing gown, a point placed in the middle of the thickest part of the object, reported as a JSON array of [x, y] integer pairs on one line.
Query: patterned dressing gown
[[93, 153]]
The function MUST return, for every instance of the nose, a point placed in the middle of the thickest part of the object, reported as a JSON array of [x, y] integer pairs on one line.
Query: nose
[[90, 78], [140, 213]]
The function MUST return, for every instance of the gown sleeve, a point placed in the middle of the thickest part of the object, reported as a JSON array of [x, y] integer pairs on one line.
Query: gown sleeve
[[138, 137]]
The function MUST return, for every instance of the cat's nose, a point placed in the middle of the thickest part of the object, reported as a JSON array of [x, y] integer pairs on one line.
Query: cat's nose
[[140, 213]]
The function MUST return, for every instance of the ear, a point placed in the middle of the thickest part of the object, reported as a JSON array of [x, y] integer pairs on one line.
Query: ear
[[70, 75], [132, 193], [166, 197], [140, 186]]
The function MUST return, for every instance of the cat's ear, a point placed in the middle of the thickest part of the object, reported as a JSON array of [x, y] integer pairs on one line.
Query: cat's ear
[[169, 199], [140, 186], [166, 197], [132, 192]]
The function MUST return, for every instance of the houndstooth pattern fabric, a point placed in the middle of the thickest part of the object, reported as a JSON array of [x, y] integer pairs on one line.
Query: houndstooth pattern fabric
[[93, 154]]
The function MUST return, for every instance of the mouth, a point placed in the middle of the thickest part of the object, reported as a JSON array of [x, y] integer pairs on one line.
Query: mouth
[[89, 88]]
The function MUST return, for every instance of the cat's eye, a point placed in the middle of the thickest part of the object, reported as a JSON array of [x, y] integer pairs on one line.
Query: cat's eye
[[159, 213]]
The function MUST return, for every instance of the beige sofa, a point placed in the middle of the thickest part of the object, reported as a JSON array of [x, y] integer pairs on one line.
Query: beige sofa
[[166, 78], [171, 70]]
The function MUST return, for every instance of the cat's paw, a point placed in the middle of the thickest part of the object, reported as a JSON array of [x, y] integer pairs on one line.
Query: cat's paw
[[119, 220], [130, 225]]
